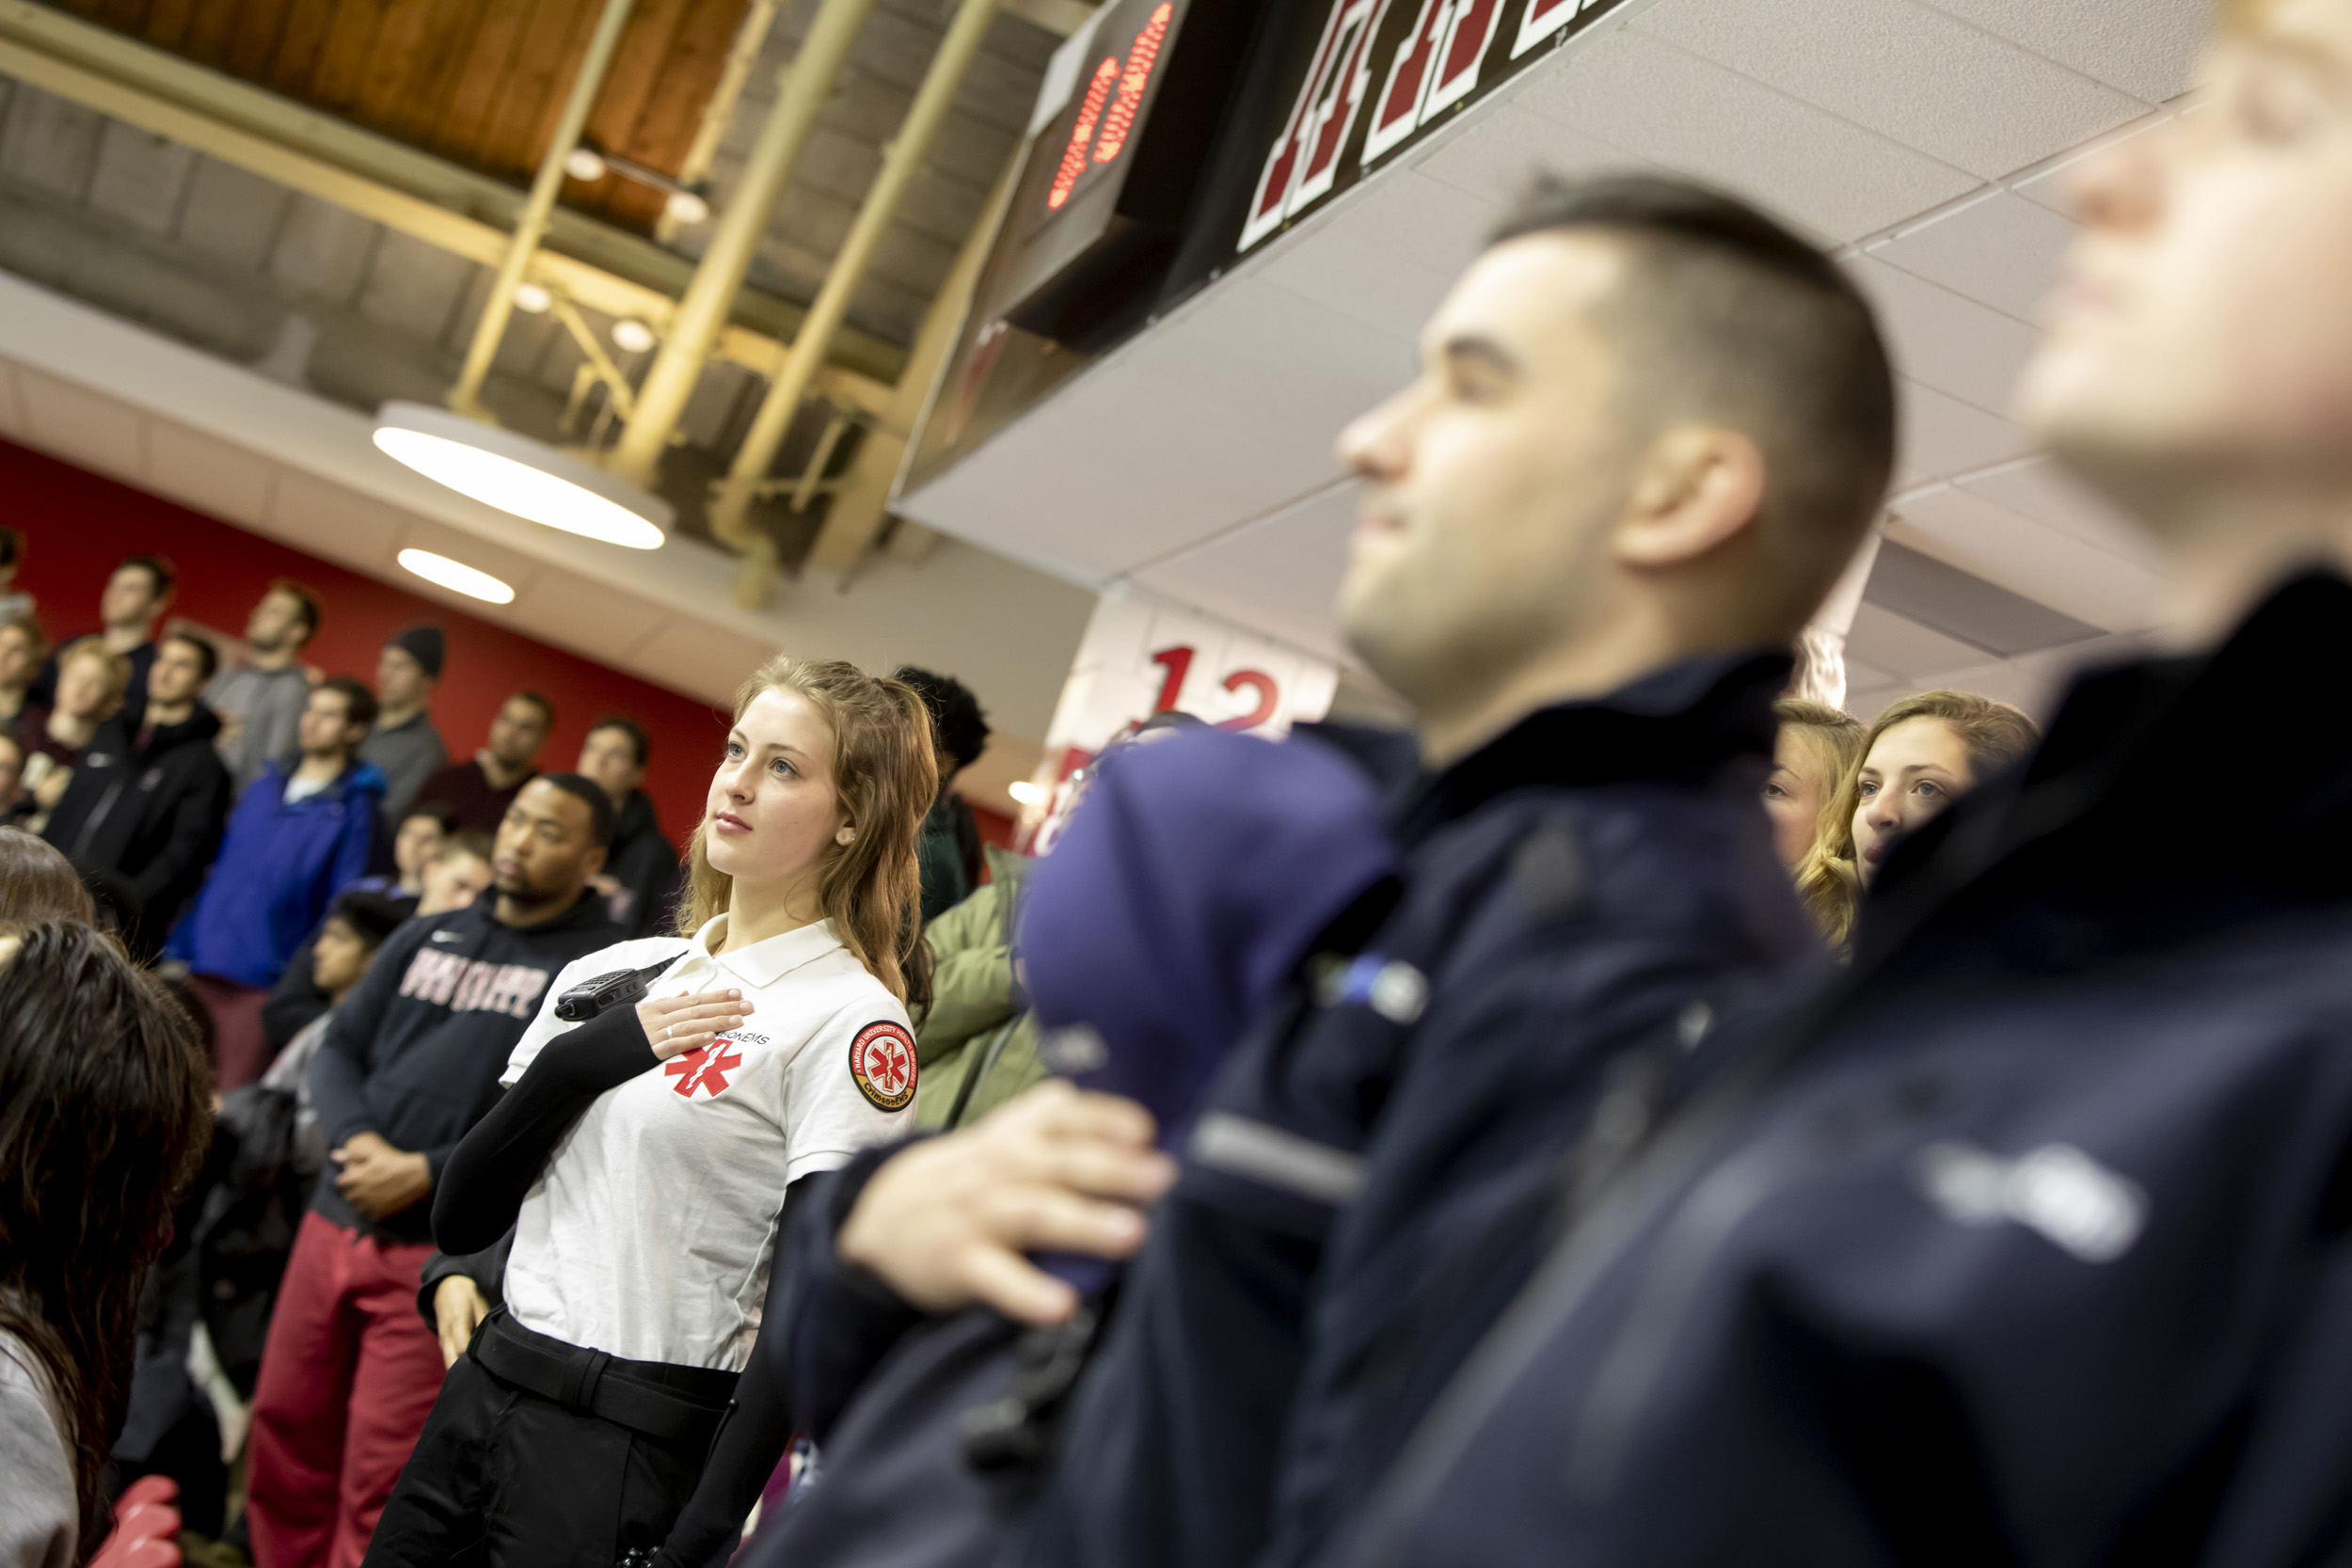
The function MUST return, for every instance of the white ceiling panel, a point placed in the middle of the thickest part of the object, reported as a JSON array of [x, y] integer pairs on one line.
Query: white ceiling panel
[[1943, 435], [586, 617], [140, 177], [82, 427], [1279, 576], [207, 473], [1960, 95], [1902, 647], [1955, 345], [2003, 251], [1497, 156], [2147, 48], [687, 657], [2030, 558], [13, 424], [2050, 186], [1386, 258], [329, 519], [1673, 108], [2039, 488]]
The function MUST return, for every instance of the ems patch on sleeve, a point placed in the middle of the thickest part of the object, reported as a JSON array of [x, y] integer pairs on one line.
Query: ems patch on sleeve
[[882, 1059]]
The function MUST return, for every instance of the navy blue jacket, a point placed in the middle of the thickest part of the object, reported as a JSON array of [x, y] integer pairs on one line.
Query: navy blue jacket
[[2029, 1239], [1569, 891]]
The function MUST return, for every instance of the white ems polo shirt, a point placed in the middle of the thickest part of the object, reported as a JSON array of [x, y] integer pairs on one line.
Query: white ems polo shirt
[[650, 1234]]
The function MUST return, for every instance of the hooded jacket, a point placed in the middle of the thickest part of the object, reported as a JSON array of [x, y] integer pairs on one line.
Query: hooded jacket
[[2029, 1239], [645, 863], [281, 866], [142, 821], [415, 1054]]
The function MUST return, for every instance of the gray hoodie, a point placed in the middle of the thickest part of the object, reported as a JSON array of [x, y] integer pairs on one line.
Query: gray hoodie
[[39, 1508]]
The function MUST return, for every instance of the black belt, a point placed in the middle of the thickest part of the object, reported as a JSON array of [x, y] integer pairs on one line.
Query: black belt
[[660, 1400]]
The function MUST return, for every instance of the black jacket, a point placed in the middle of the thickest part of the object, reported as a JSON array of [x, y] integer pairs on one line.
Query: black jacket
[[415, 1054], [1570, 890], [141, 822], [645, 863], [2029, 1239]]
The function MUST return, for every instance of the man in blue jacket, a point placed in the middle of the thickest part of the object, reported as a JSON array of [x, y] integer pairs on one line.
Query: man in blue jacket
[[411, 1063], [1651, 427], [2030, 1240], [297, 837]]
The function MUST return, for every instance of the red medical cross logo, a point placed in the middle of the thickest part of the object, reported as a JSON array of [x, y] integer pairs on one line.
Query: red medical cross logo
[[882, 1059], [706, 1069]]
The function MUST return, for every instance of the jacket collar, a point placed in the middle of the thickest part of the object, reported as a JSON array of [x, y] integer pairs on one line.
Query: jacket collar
[[763, 963], [585, 911], [2097, 818], [1680, 724]]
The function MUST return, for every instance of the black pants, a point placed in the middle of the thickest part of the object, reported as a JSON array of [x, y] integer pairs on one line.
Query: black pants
[[504, 1479]]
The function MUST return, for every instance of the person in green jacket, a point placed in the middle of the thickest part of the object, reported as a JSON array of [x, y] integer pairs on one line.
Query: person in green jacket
[[976, 1043]]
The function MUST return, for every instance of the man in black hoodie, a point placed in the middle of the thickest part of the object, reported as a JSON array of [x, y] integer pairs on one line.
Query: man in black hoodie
[[411, 1063], [143, 816]]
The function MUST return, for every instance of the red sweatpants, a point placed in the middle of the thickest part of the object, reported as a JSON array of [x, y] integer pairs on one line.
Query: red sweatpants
[[349, 1373]]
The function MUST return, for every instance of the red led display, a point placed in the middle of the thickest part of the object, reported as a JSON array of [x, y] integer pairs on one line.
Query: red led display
[[1073, 158], [1141, 57]]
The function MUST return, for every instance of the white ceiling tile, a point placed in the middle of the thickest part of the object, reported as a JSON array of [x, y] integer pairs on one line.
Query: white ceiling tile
[[2003, 251], [207, 473], [1279, 576], [1402, 214], [1669, 107], [1902, 647], [1501, 155], [329, 519], [2050, 187], [2030, 558], [1942, 435], [84, 427], [1954, 92], [689, 656], [1954, 346], [588, 618], [2147, 48], [140, 176], [2040, 489]]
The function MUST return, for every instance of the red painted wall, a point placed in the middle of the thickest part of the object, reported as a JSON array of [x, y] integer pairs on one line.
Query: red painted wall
[[77, 525]]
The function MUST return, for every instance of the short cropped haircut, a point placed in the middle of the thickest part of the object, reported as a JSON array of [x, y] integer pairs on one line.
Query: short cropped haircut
[[158, 570], [958, 725], [547, 709], [361, 708], [1726, 315], [303, 596], [601, 815], [629, 727], [207, 657]]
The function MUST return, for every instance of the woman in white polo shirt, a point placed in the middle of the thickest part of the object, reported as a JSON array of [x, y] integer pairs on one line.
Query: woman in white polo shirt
[[644, 1158]]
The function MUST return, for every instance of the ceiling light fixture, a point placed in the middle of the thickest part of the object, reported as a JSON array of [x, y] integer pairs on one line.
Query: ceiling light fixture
[[583, 162], [687, 207], [632, 335], [456, 576], [1026, 791], [518, 475], [532, 299]]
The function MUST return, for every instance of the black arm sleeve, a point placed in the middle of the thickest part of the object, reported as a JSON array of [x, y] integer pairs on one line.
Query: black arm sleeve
[[757, 1430], [481, 1188]]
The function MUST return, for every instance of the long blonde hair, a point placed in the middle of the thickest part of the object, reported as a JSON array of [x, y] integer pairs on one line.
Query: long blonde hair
[[1833, 736], [1994, 734], [888, 775]]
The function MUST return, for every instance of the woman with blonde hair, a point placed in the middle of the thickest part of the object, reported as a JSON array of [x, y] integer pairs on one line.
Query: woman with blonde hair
[[1922, 754], [1816, 748], [644, 1154]]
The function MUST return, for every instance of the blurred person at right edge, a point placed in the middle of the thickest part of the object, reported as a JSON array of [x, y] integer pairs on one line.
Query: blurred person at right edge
[[640, 877], [1651, 428], [117, 1144], [1917, 757], [950, 848], [2029, 1239]]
